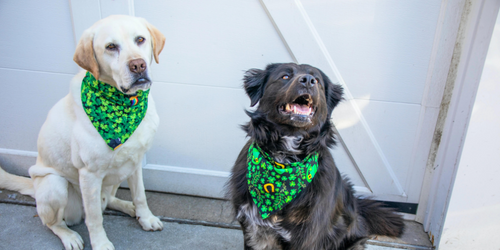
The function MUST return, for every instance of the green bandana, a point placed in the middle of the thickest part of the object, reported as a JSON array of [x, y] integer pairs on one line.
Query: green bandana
[[115, 115], [272, 185]]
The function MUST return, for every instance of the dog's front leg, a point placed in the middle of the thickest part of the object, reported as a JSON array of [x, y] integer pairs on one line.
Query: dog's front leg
[[148, 221], [90, 186]]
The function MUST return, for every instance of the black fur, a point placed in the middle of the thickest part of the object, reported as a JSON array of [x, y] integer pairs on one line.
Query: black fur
[[326, 215]]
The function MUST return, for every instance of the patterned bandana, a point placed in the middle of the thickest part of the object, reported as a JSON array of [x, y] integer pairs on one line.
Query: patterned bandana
[[273, 185], [115, 115]]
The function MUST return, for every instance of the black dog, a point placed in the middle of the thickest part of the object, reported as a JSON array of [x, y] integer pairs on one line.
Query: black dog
[[280, 203]]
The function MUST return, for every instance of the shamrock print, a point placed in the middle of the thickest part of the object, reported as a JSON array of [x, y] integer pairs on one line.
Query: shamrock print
[[110, 110], [273, 185]]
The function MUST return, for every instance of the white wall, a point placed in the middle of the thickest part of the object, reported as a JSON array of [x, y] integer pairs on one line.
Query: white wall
[[473, 217], [36, 64]]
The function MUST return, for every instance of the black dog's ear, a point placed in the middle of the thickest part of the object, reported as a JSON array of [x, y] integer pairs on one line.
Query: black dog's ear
[[254, 81], [333, 93]]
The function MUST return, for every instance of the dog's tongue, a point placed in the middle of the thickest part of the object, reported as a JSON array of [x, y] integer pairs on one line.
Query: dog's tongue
[[300, 109]]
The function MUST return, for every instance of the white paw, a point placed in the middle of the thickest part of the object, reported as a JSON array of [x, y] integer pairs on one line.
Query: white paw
[[105, 245], [129, 208], [150, 223], [72, 241], [123, 206]]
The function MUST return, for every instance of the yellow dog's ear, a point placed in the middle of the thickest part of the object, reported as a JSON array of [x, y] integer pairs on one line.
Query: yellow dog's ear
[[158, 40], [84, 54]]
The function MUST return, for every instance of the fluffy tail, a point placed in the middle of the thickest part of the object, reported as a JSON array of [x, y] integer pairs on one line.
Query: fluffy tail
[[379, 219], [20, 184]]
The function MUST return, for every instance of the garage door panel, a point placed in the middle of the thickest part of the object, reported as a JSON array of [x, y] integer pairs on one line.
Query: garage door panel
[[348, 169], [212, 47], [394, 126], [381, 48], [23, 114], [37, 36], [199, 126]]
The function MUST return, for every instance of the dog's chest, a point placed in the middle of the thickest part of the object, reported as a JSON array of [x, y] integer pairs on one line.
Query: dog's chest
[[117, 165], [259, 233], [128, 157], [288, 149]]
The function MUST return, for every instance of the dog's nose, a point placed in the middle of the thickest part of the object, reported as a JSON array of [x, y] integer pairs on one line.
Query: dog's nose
[[137, 66], [307, 80]]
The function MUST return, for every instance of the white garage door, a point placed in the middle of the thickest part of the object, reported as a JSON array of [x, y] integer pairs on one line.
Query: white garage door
[[380, 51]]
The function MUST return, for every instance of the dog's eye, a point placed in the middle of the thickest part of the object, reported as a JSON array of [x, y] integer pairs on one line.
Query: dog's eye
[[140, 40], [111, 46], [285, 77]]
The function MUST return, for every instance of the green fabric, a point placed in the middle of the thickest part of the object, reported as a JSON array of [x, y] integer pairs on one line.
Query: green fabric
[[273, 185], [115, 115]]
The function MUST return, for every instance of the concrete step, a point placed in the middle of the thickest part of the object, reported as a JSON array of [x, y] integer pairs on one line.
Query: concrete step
[[190, 223]]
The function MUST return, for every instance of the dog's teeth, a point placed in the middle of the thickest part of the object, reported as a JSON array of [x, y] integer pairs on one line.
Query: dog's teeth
[[295, 109]]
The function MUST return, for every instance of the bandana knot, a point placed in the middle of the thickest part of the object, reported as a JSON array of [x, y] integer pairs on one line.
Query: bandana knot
[[113, 114], [273, 185]]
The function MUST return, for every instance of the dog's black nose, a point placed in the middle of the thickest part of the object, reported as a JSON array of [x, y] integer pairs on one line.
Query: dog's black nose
[[307, 80], [137, 66]]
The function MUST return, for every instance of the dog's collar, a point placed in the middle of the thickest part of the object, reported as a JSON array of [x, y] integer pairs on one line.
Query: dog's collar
[[115, 115], [273, 185]]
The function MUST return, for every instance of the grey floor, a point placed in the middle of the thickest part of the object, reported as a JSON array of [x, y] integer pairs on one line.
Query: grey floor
[[21, 229], [189, 223]]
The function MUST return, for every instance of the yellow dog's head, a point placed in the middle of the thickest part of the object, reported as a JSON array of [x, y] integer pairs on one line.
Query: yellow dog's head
[[119, 50]]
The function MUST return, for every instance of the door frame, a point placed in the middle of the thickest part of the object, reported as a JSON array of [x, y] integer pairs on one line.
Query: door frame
[[476, 21]]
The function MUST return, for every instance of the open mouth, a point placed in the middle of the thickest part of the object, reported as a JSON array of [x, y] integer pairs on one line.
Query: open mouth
[[301, 106]]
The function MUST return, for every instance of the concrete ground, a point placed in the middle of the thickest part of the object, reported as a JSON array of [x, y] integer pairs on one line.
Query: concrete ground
[[189, 223]]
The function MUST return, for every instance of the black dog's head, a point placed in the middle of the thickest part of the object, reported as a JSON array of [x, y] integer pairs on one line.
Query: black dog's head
[[298, 96]]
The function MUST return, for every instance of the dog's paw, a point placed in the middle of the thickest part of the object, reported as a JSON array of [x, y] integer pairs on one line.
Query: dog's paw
[[72, 241], [129, 208], [105, 245], [150, 223], [123, 206]]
